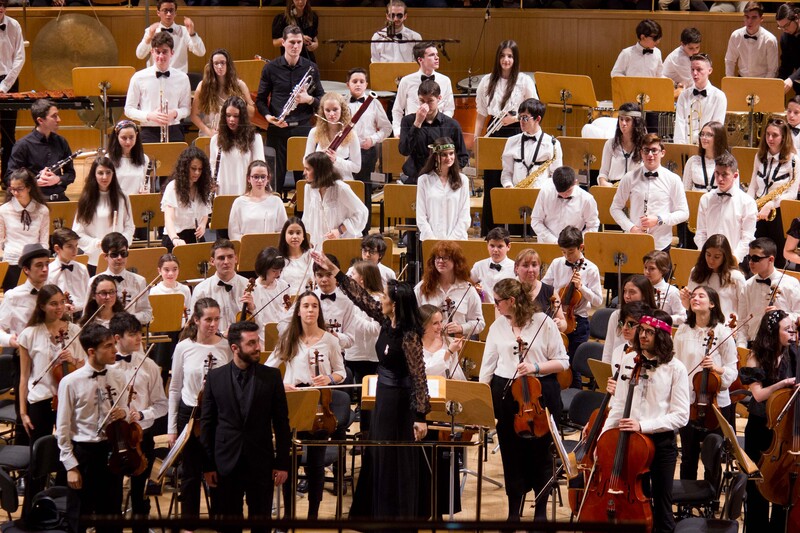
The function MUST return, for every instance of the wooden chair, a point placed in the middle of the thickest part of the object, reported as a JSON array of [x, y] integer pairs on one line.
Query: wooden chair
[[204, 143], [270, 336], [745, 157], [489, 315], [142, 261], [489, 152], [295, 151], [391, 158], [604, 196], [168, 312], [221, 211], [790, 210], [252, 244], [683, 261]]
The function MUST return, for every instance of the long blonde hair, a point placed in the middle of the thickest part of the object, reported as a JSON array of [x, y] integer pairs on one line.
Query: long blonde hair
[[325, 132]]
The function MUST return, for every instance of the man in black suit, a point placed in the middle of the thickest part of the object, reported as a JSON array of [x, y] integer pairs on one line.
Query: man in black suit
[[243, 403]]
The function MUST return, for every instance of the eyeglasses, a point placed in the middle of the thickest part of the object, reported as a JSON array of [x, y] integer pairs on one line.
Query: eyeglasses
[[652, 151], [115, 255], [630, 324], [525, 118], [647, 331], [707, 134], [755, 258], [14, 190], [106, 294], [220, 63], [498, 300], [259, 177], [397, 15], [442, 259], [784, 26], [168, 11]]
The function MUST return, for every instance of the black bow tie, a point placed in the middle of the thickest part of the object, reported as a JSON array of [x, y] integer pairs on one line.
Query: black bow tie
[[754, 37], [795, 131], [118, 279], [423, 77], [331, 297], [34, 291], [160, 74], [649, 364], [566, 198], [71, 268], [398, 36], [646, 51], [702, 93], [98, 373], [353, 100], [653, 174], [3, 27], [531, 138], [170, 30], [228, 287], [570, 264], [496, 266], [725, 194], [126, 358], [765, 281]]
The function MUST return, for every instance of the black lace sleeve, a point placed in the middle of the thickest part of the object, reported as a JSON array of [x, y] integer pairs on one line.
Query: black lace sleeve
[[750, 375], [359, 296], [420, 399]]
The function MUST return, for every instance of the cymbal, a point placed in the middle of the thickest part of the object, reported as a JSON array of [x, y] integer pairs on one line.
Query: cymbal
[[67, 42]]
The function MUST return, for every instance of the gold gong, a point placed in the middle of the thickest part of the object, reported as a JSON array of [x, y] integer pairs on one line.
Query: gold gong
[[67, 42]]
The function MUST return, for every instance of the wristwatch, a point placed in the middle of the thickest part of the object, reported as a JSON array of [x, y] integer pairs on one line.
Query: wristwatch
[[660, 221]]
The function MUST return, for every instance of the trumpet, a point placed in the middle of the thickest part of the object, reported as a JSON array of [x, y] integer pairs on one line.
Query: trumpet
[[163, 107], [303, 85], [497, 122]]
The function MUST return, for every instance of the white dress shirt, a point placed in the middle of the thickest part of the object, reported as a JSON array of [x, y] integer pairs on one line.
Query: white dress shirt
[[298, 272], [756, 298], [189, 369], [614, 337], [133, 285], [733, 216], [232, 174], [229, 301], [435, 364], [690, 349], [632, 61], [364, 337], [795, 138], [407, 101], [483, 273], [91, 234], [467, 311], [770, 174], [180, 288], [374, 123], [37, 341], [662, 196], [302, 368], [614, 164], [389, 51], [442, 213], [16, 309], [131, 177], [501, 357], [339, 206], [14, 235], [251, 215], [668, 299], [183, 44], [12, 53], [185, 216], [523, 89], [335, 307], [616, 355], [729, 295], [692, 112], [756, 58], [75, 281], [348, 155], [386, 273], [559, 274], [660, 402], [149, 397], [83, 403], [552, 213], [145, 93], [678, 67], [694, 179], [519, 160], [274, 310]]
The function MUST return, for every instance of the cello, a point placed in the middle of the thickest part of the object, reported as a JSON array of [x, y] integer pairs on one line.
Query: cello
[[614, 492], [707, 386], [324, 421], [570, 297]]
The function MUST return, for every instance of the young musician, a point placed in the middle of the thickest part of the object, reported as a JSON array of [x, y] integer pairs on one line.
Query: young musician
[[200, 350], [699, 103], [115, 250], [258, 210], [787, 19], [184, 36], [522, 343], [159, 96], [623, 152], [373, 248], [497, 266], [219, 83], [752, 50], [386, 50], [43, 148], [629, 315], [528, 268], [131, 164], [442, 195], [270, 288], [643, 58], [528, 151], [297, 13], [659, 271], [335, 115], [19, 303], [698, 172], [334, 305], [225, 286], [294, 246], [234, 147], [656, 195], [12, 58], [71, 276], [144, 399], [677, 65], [717, 268], [169, 268], [660, 406], [186, 200], [84, 411], [102, 292], [637, 288], [563, 203], [427, 56]]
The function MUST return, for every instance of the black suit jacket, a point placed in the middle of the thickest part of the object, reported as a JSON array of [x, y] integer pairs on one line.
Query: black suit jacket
[[229, 437]]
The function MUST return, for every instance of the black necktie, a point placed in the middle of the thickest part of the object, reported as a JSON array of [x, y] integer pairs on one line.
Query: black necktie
[[702, 93], [71, 268], [754, 37], [167, 29], [34, 291], [331, 297], [646, 51], [3, 27], [795, 131], [98, 373], [118, 279], [353, 100], [423, 77], [724, 194], [228, 287], [496, 266], [159, 74], [651, 174], [126, 358], [766, 281]]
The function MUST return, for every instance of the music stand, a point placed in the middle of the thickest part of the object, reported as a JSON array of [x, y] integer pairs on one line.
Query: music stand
[[252, 244], [559, 452], [148, 208], [387, 76], [62, 214], [683, 260], [347, 251], [472, 357], [489, 153], [565, 90], [102, 81], [195, 260], [604, 197], [582, 152], [790, 210], [164, 155], [437, 390], [746, 464], [652, 94], [676, 156], [221, 211], [746, 158], [601, 372], [400, 201], [249, 71], [512, 205], [302, 411], [620, 252], [751, 95]]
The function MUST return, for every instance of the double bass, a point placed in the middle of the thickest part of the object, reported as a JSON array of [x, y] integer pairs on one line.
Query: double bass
[[707, 386]]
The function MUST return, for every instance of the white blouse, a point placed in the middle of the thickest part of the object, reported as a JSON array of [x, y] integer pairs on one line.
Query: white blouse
[[348, 155], [301, 368], [36, 339], [467, 311], [442, 213], [693, 177], [131, 177], [251, 215], [101, 225], [298, 272], [435, 364], [338, 206], [186, 217], [523, 89], [14, 235], [614, 164], [777, 174], [232, 174], [729, 295], [275, 310], [690, 348]]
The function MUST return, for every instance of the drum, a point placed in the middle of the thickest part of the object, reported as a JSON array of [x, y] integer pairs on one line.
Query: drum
[[605, 108], [465, 114], [470, 85]]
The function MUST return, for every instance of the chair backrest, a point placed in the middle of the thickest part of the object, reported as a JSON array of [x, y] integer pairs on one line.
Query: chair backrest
[[6, 372], [735, 497], [598, 324], [584, 352], [711, 455], [583, 405], [9, 499], [45, 457]]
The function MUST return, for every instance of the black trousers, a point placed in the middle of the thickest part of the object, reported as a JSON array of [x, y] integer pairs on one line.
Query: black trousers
[[662, 472], [140, 503], [191, 471], [232, 489], [8, 128], [369, 159], [152, 134], [101, 493], [757, 439], [278, 138], [692, 439]]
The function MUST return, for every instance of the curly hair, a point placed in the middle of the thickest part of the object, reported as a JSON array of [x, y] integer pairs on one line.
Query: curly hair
[[324, 131], [244, 135], [524, 306], [180, 174], [662, 343], [90, 196], [211, 87], [767, 346], [451, 249]]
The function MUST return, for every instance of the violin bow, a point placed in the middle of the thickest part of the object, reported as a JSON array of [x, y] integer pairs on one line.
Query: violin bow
[[119, 396], [670, 277], [720, 343], [775, 289], [524, 355], [251, 317], [142, 292], [448, 370]]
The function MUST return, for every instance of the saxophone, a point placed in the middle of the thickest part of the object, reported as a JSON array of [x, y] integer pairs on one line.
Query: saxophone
[[531, 178], [761, 202]]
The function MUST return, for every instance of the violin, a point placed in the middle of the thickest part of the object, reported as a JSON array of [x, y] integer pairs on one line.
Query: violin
[[447, 309], [126, 457], [615, 492], [707, 386], [68, 301], [324, 421], [530, 420], [333, 326], [251, 285], [209, 364], [570, 298], [287, 302], [125, 298], [59, 371]]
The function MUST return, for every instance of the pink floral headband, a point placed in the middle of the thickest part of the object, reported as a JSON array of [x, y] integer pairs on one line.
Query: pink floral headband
[[656, 323]]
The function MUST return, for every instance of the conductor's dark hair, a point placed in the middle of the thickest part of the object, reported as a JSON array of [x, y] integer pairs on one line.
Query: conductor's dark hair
[[406, 309], [237, 328]]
